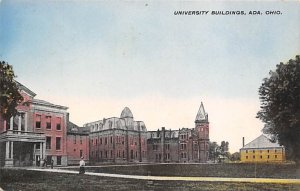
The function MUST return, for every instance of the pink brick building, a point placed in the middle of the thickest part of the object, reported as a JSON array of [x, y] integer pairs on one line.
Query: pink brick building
[[77, 144], [118, 140], [37, 132], [183, 145]]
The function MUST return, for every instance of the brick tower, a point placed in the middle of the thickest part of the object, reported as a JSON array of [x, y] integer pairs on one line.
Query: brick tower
[[202, 129]]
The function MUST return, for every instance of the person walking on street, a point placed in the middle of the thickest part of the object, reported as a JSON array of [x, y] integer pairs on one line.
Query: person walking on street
[[81, 166]]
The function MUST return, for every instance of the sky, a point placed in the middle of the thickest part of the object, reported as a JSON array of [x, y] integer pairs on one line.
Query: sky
[[97, 57]]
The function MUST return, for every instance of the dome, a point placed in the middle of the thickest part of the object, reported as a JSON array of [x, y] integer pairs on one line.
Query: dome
[[126, 113]]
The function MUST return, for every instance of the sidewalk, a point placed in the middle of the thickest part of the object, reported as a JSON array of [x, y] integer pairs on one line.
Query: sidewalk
[[177, 178]]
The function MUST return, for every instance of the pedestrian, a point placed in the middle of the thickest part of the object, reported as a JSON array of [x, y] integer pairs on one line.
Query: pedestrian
[[81, 166], [45, 162], [38, 161], [52, 162]]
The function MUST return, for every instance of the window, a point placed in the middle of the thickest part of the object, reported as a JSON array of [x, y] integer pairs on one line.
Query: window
[[275, 151], [111, 139], [38, 122], [58, 124], [268, 156], [246, 157], [100, 141], [48, 122], [253, 151], [37, 146], [58, 158], [268, 151], [48, 142], [81, 154], [58, 140], [105, 140], [167, 147], [276, 156], [253, 156], [155, 147], [260, 157], [246, 151]]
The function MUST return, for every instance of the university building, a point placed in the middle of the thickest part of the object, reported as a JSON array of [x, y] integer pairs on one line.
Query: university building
[[262, 150], [77, 143], [37, 132], [42, 130], [183, 145], [118, 140]]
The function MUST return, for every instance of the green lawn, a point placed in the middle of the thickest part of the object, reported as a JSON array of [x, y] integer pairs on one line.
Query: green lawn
[[22, 180], [234, 170], [11, 179]]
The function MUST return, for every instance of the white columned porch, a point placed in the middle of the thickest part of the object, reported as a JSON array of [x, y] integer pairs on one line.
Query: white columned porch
[[44, 150]]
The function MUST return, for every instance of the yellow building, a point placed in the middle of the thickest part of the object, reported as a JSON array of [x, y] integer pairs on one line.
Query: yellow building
[[262, 149]]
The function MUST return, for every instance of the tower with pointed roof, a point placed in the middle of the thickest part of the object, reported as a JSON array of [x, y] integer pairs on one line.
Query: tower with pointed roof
[[202, 131]]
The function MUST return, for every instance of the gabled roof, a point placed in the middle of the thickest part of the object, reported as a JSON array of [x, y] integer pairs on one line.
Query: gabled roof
[[45, 103], [201, 115], [74, 129], [25, 89], [261, 142]]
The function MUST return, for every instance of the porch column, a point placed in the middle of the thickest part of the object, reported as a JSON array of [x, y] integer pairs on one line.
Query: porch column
[[26, 116], [11, 149], [41, 151], [19, 124], [44, 150], [11, 125], [9, 154], [7, 150], [4, 125]]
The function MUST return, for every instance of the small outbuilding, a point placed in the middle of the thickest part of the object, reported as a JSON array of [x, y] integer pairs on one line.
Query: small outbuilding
[[262, 149]]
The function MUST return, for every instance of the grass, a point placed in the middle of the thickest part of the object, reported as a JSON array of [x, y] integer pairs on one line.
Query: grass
[[23, 180], [207, 170]]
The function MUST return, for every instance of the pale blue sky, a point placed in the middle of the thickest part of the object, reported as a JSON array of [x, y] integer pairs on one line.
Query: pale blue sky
[[139, 54]]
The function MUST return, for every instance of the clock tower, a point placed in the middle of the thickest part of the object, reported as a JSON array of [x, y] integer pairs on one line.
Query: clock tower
[[202, 129]]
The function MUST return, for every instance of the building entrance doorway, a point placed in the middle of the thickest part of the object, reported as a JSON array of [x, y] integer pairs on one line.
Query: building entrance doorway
[[23, 154]]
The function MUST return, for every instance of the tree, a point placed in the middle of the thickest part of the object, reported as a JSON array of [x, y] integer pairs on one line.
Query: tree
[[280, 106], [213, 151], [224, 146], [10, 96], [235, 156]]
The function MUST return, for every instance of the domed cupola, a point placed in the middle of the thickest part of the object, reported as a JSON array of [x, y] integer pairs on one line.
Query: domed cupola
[[126, 113]]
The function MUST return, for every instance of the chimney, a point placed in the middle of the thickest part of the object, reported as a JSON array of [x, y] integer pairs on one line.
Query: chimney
[[243, 141]]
